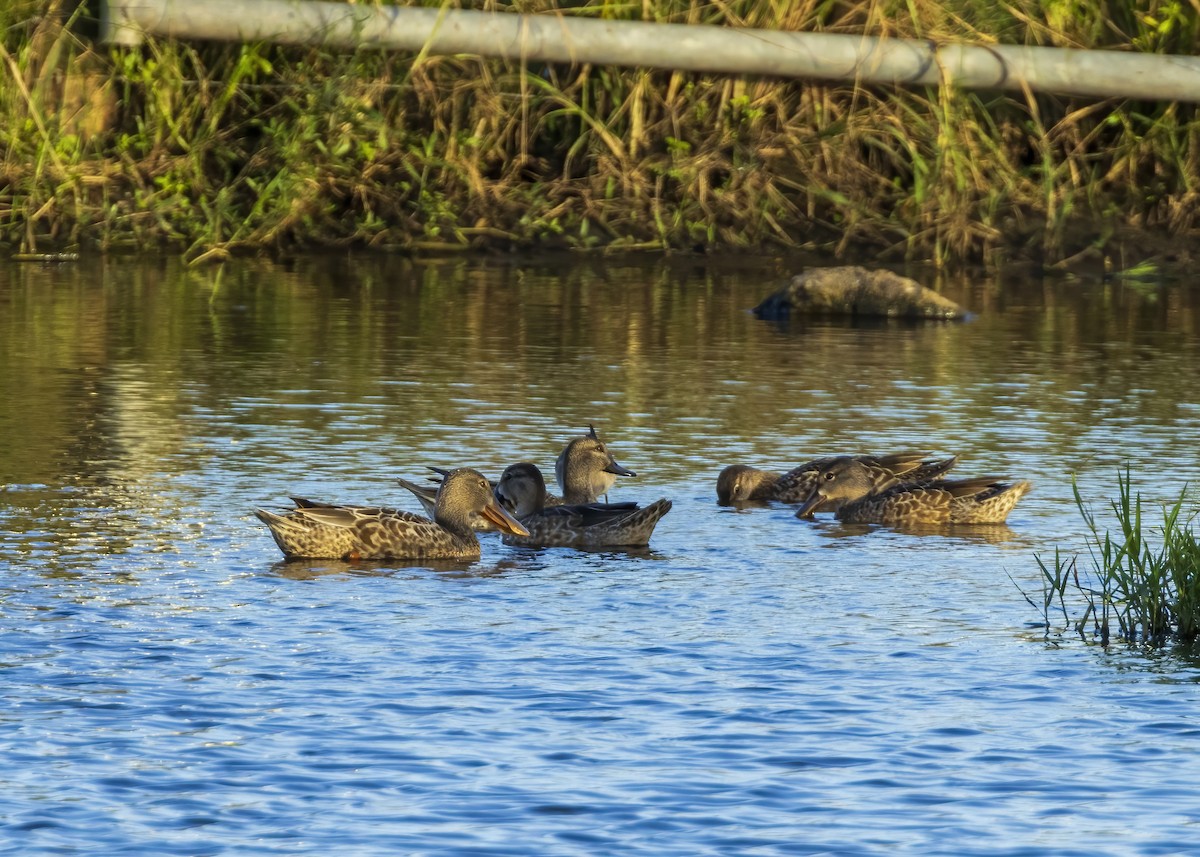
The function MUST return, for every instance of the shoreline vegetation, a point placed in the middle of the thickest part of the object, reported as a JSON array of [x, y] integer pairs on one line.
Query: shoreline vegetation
[[210, 149], [1143, 587]]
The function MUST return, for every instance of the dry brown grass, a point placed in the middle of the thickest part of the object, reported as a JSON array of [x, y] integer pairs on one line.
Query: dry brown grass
[[220, 148]]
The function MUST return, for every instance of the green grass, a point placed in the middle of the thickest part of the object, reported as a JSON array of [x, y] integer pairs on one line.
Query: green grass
[[212, 149], [1143, 586]]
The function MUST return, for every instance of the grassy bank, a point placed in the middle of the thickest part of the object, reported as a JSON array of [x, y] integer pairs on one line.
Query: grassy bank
[[217, 148], [1143, 586]]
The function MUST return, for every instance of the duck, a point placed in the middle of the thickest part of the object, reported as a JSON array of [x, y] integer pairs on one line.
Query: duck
[[739, 482], [427, 496], [848, 482], [523, 489], [315, 530], [586, 470]]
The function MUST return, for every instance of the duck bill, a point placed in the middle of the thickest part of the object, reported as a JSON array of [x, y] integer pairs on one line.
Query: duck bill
[[810, 505], [496, 513], [613, 467]]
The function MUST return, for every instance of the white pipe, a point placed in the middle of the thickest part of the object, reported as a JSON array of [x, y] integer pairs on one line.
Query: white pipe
[[556, 38]]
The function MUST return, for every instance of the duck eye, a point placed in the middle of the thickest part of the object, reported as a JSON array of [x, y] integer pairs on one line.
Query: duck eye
[[829, 476]]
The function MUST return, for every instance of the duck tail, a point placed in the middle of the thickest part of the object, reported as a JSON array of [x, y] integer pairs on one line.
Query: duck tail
[[269, 518], [1021, 488]]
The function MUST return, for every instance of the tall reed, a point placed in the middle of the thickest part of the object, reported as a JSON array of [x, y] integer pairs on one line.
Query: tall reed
[[1144, 579], [218, 148]]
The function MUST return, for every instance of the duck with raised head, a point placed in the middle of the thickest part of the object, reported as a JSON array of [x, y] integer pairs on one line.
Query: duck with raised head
[[427, 495], [739, 483], [586, 470], [846, 481], [523, 489], [328, 531]]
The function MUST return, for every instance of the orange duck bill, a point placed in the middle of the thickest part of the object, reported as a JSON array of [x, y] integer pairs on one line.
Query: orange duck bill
[[496, 513]]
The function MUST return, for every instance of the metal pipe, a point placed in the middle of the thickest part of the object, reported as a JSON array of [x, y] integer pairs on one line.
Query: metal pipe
[[557, 38]]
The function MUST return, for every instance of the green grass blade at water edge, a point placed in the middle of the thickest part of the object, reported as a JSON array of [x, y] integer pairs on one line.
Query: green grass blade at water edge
[[1148, 578]]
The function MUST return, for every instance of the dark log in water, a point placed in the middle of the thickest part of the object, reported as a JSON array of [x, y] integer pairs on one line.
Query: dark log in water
[[855, 291]]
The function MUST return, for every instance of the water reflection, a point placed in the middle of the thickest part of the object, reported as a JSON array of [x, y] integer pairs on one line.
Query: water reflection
[[992, 534], [609, 553], [520, 353], [311, 569], [121, 375]]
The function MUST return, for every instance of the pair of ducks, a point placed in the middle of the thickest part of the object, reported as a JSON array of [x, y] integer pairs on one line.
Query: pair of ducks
[[902, 490], [519, 507]]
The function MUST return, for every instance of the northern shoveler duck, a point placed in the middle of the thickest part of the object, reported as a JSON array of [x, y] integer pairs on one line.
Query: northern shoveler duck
[[327, 531], [739, 482], [523, 489], [427, 495], [586, 470], [986, 500]]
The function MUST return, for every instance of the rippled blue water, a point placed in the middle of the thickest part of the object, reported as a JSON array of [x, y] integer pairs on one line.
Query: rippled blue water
[[752, 684]]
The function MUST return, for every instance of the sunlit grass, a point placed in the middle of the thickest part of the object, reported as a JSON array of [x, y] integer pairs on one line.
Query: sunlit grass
[[1143, 586], [218, 148]]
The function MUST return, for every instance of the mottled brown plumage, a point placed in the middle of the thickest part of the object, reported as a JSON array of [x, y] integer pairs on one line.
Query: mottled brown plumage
[[739, 482], [327, 531], [986, 500], [586, 470], [523, 489]]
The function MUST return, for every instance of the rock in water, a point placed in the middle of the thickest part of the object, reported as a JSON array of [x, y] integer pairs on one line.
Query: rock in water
[[856, 291]]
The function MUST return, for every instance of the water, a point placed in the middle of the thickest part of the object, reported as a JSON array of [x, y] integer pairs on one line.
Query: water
[[752, 684]]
